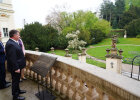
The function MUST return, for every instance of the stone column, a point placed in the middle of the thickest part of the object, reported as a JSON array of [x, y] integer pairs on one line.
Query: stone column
[[36, 49], [52, 50], [67, 54], [113, 60], [82, 56]]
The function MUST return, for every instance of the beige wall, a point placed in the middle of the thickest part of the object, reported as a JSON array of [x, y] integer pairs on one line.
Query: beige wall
[[7, 1], [6, 17]]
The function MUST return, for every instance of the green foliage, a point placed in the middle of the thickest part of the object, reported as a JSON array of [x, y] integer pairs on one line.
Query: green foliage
[[129, 3], [84, 21], [30, 35], [138, 36], [128, 16], [112, 12], [118, 32], [44, 37], [61, 42], [99, 31], [133, 28], [107, 10]]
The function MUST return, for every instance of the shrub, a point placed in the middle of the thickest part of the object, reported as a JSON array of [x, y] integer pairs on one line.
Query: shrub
[[133, 28], [138, 36], [118, 32], [44, 37], [74, 42]]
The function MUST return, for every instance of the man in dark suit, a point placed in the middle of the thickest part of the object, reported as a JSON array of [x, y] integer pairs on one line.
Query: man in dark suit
[[3, 83], [15, 63]]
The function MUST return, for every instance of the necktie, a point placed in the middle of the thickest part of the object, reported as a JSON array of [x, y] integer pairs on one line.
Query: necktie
[[20, 43]]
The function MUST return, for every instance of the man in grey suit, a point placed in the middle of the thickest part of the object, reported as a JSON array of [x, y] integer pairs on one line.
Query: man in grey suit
[[15, 63]]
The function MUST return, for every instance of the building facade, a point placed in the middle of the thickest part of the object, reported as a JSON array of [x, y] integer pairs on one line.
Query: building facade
[[6, 19]]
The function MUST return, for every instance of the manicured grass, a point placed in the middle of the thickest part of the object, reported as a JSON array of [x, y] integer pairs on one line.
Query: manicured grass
[[96, 63], [62, 53], [130, 51], [75, 56], [58, 52], [135, 41]]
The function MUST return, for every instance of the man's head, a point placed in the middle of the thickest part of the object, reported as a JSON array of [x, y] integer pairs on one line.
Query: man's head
[[14, 34]]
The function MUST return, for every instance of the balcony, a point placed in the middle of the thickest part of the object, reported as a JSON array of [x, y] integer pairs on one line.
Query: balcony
[[75, 80]]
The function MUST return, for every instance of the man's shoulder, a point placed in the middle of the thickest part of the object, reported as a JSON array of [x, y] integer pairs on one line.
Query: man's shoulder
[[9, 42]]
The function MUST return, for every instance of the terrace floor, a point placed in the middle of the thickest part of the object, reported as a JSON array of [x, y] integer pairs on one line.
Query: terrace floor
[[28, 85]]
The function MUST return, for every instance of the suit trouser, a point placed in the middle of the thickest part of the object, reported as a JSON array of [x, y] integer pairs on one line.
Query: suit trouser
[[15, 83], [2, 75]]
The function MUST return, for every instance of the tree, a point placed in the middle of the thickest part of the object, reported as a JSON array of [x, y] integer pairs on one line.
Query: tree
[[36, 35], [133, 28], [129, 3], [128, 16], [111, 12], [99, 31], [74, 42], [79, 20], [119, 8], [107, 10]]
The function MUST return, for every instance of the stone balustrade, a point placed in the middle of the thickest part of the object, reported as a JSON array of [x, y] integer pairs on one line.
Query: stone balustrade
[[75, 80]]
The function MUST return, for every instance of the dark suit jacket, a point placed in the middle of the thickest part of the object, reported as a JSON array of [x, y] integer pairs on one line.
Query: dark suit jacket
[[15, 56], [2, 53]]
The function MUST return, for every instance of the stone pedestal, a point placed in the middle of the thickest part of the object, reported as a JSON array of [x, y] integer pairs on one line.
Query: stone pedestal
[[114, 59], [114, 64], [52, 50], [82, 57], [37, 49], [67, 54]]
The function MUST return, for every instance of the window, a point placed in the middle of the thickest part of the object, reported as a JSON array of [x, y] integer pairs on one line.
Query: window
[[5, 31], [0, 1]]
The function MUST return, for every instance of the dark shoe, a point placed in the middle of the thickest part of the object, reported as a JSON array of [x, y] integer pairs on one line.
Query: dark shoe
[[24, 78], [22, 91], [21, 80], [19, 98], [6, 86], [8, 82]]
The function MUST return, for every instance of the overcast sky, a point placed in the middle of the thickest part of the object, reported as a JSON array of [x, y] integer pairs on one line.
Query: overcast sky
[[37, 10]]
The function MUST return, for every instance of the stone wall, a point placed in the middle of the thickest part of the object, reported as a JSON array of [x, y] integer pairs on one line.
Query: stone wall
[[77, 80]]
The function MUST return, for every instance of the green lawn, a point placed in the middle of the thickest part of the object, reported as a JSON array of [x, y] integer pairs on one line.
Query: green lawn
[[75, 56], [62, 53], [97, 63], [135, 41], [130, 51]]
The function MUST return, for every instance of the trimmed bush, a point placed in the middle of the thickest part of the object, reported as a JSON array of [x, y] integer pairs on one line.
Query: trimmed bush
[[138, 36], [133, 28]]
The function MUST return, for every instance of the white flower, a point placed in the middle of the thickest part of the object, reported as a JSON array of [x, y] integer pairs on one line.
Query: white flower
[[74, 43]]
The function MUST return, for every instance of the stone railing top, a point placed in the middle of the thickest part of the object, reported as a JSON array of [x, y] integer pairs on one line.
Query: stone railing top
[[130, 85]]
